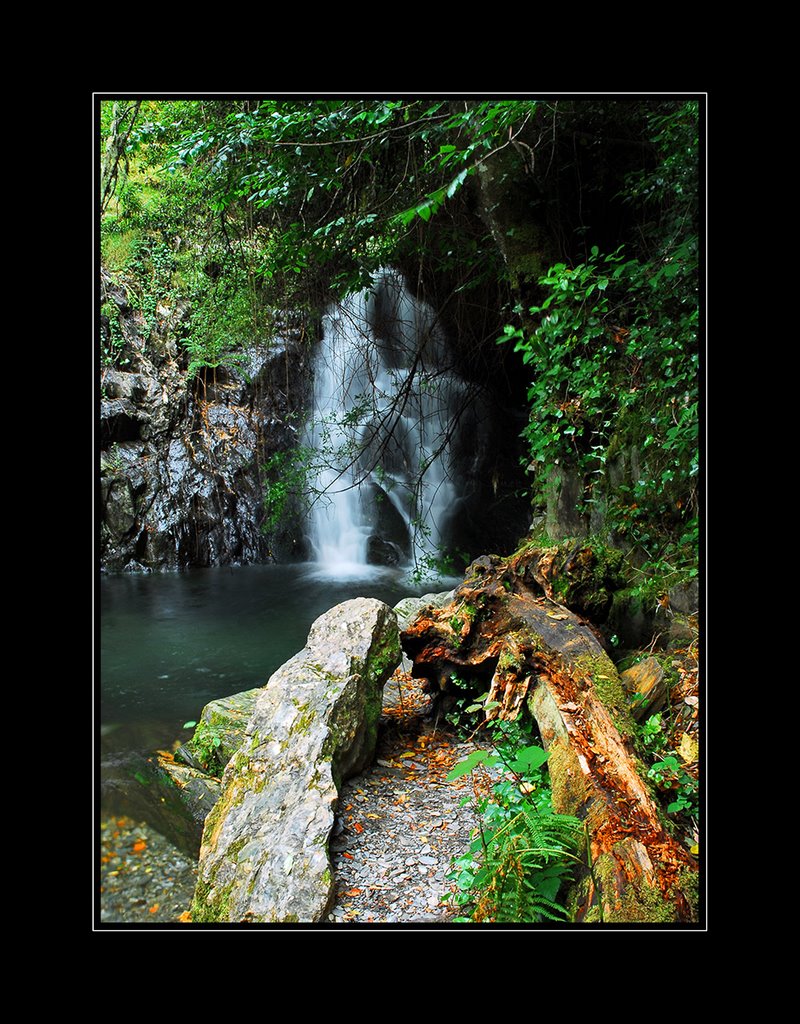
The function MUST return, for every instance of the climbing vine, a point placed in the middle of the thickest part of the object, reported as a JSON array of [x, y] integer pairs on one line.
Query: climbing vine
[[613, 354]]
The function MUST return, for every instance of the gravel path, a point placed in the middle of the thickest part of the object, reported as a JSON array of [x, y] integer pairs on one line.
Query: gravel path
[[400, 823], [398, 826], [143, 877]]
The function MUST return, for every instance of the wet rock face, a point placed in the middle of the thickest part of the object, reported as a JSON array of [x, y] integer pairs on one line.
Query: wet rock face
[[264, 856], [181, 460]]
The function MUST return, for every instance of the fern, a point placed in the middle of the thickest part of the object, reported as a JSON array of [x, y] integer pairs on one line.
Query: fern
[[524, 852]]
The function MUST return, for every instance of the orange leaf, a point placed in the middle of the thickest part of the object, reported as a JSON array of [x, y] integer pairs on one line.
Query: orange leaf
[[348, 855], [154, 908], [185, 917], [353, 892], [358, 828], [139, 845]]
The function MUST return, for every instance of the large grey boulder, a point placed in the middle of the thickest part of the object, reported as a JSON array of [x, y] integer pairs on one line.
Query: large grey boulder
[[409, 607], [264, 855]]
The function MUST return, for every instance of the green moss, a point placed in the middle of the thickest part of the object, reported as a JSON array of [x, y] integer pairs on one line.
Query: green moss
[[689, 882], [233, 850], [259, 783], [566, 778], [385, 659], [647, 905], [639, 904], [210, 904], [118, 248], [302, 724], [609, 689]]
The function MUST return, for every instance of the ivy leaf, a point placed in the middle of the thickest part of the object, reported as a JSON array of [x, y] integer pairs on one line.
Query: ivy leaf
[[457, 182], [532, 757], [465, 767]]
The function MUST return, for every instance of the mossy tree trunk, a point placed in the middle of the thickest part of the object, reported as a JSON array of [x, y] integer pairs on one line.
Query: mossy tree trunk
[[505, 633]]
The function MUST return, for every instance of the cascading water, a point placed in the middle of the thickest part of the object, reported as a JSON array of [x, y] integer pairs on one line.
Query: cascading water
[[385, 407]]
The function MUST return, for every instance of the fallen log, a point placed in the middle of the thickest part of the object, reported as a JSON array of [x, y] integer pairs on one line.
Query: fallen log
[[503, 631]]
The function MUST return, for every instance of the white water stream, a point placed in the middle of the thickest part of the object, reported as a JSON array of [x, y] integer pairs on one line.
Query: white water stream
[[384, 409]]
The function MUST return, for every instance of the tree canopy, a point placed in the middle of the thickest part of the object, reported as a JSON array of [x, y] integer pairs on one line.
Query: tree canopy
[[567, 226]]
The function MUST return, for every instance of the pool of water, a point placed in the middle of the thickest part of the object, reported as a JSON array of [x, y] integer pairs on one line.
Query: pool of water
[[170, 643]]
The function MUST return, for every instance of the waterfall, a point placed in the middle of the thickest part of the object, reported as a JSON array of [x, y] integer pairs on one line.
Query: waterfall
[[385, 406]]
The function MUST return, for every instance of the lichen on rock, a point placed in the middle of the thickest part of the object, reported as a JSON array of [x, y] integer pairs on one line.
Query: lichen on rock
[[264, 856]]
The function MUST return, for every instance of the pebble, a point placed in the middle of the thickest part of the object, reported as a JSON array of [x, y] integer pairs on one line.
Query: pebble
[[409, 832], [143, 877]]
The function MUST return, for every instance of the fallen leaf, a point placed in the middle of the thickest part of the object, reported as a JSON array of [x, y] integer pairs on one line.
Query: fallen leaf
[[687, 748], [139, 845], [409, 753], [377, 817], [185, 917], [353, 892], [348, 855], [154, 908], [694, 849], [357, 827]]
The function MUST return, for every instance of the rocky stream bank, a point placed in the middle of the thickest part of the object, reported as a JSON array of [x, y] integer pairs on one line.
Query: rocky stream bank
[[397, 828], [333, 804]]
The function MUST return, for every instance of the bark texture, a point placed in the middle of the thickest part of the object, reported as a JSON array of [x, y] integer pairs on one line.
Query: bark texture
[[503, 631]]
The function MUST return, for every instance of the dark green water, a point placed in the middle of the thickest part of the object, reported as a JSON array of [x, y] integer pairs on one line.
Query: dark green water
[[169, 643]]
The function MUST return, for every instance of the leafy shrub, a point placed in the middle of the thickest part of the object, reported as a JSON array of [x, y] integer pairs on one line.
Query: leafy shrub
[[523, 852]]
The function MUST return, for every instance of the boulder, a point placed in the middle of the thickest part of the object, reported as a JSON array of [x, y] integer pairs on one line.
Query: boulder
[[264, 855], [220, 731], [192, 795], [410, 607], [646, 682]]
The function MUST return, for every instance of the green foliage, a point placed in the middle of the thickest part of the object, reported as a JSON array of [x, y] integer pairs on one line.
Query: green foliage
[[285, 475], [204, 747], [672, 778], [224, 322], [613, 356], [111, 461], [338, 187], [440, 565], [112, 339], [652, 734], [678, 786], [523, 853]]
